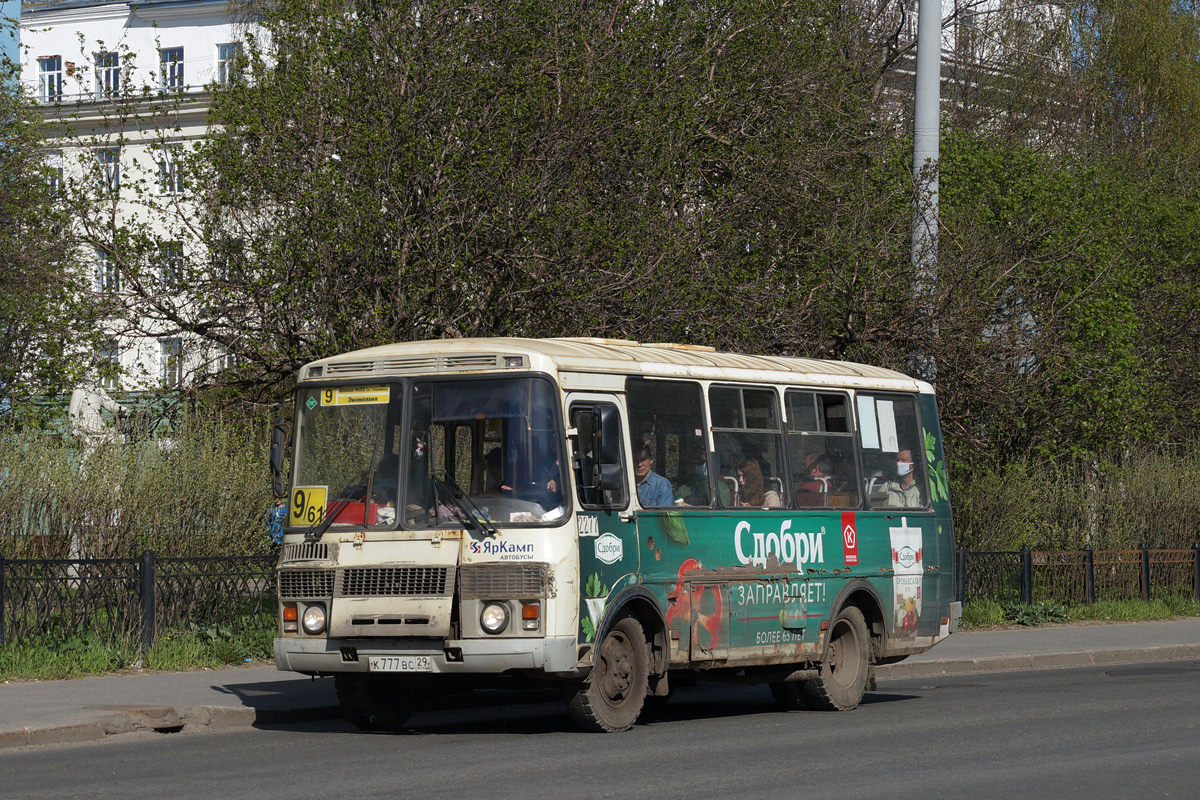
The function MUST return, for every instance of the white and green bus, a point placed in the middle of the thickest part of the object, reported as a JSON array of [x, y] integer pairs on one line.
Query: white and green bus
[[613, 517]]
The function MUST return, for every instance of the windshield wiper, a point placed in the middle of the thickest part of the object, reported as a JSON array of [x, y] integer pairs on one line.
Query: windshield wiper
[[318, 528], [472, 515]]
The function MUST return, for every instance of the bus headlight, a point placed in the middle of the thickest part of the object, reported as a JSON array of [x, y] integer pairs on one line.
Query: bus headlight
[[494, 618], [314, 620]]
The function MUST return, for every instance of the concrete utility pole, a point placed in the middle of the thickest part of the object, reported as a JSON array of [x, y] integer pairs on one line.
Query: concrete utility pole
[[926, 122]]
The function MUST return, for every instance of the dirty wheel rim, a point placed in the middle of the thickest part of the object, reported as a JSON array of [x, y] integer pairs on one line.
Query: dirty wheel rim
[[845, 655], [616, 669]]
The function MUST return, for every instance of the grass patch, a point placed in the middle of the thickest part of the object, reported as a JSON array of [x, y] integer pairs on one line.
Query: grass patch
[[982, 613], [72, 657], [176, 651], [1136, 610], [212, 646]]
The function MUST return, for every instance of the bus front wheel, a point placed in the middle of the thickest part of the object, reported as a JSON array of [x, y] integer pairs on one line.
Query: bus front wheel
[[611, 698], [845, 669]]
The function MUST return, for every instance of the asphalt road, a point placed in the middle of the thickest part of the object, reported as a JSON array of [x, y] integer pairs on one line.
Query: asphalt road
[[1096, 732]]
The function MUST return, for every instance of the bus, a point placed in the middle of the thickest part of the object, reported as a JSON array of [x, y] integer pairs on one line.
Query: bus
[[610, 517]]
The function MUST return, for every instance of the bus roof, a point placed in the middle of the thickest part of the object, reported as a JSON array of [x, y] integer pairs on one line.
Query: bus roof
[[600, 356]]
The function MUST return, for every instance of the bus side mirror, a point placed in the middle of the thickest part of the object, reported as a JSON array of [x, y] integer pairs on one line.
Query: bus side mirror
[[609, 477], [279, 437], [606, 427]]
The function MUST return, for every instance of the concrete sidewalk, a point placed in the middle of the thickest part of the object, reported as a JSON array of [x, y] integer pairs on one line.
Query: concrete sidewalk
[[88, 709]]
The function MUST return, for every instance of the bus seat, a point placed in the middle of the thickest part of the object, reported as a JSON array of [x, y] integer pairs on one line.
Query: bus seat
[[805, 499], [728, 489], [876, 486]]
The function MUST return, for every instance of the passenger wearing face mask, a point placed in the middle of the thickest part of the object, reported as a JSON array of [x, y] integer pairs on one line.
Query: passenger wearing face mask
[[904, 491], [695, 491]]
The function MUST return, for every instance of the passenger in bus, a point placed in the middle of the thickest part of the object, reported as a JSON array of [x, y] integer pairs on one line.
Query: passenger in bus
[[819, 475], [653, 490], [696, 491], [904, 491], [750, 487], [814, 487], [548, 486]]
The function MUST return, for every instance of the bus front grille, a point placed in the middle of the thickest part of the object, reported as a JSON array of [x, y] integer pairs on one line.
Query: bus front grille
[[484, 581], [301, 583], [310, 551], [395, 582]]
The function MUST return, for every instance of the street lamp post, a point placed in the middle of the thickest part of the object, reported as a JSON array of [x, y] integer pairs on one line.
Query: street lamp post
[[926, 121]]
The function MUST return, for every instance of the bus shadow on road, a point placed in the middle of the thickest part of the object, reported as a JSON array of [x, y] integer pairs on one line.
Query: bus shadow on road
[[544, 712]]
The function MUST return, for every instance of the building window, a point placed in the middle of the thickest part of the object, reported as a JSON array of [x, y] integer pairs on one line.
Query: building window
[[107, 277], [225, 360], [170, 354], [108, 74], [170, 264], [54, 174], [228, 56], [108, 363], [171, 66], [228, 259], [50, 69], [108, 166], [170, 171]]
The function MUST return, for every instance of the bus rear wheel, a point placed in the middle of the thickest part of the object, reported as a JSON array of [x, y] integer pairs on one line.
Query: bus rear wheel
[[845, 669], [611, 698], [374, 702]]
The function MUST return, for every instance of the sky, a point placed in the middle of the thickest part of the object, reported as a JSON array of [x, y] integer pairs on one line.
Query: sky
[[10, 11]]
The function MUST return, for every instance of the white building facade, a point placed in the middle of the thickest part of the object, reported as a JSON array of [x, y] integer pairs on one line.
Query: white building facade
[[126, 87]]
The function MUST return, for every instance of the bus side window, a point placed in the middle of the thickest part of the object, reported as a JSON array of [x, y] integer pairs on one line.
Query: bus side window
[[668, 417], [821, 449], [748, 441], [893, 447]]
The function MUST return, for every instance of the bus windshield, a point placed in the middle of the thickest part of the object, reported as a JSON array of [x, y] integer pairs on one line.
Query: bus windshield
[[490, 448], [345, 467]]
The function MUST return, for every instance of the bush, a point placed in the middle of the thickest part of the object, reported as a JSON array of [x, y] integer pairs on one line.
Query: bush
[[201, 491], [1143, 497]]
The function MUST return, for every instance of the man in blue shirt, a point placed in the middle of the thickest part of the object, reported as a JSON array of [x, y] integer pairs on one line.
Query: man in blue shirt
[[653, 490]]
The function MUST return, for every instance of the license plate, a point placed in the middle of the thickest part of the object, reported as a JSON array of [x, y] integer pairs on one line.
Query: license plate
[[400, 664]]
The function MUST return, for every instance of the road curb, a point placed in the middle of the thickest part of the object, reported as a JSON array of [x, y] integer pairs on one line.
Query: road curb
[[1020, 663], [163, 719]]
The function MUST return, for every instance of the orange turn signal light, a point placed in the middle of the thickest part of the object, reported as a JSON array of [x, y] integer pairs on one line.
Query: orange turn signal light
[[530, 615], [289, 613]]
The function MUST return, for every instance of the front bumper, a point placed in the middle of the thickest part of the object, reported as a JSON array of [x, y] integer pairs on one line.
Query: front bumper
[[551, 655]]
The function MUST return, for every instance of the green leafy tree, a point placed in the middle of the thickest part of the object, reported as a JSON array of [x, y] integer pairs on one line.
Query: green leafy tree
[[44, 317], [660, 171]]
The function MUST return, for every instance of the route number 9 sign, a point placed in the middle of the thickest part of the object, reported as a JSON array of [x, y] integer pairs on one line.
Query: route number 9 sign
[[308, 505]]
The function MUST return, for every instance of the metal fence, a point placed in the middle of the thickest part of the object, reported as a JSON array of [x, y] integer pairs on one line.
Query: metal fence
[[133, 598], [1078, 576]]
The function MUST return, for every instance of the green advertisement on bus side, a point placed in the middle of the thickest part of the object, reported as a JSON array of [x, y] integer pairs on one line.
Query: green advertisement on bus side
[[728, 579]]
